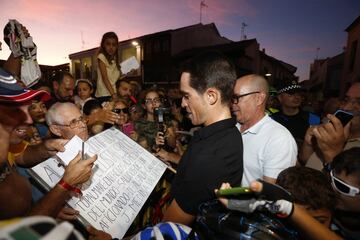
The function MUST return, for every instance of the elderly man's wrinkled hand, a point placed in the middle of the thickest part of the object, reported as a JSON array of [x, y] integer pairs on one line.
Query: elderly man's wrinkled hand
[[79, 171]]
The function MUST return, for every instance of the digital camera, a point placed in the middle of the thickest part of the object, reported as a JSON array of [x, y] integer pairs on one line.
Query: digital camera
[[161, 113]]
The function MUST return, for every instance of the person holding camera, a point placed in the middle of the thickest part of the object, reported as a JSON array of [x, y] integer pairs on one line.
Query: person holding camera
[[155, 123], [174, 155], [332, 138]]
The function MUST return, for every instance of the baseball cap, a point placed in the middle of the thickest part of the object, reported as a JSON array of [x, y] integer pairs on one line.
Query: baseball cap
[[12, 92], [289, 87]]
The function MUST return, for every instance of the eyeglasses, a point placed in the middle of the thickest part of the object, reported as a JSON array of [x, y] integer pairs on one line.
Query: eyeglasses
[[235, 98], [153, 100], [74, 123], [352, 101], [343, 187], [119, 110]]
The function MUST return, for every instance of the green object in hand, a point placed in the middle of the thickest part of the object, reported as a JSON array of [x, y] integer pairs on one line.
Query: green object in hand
[[233, 191]]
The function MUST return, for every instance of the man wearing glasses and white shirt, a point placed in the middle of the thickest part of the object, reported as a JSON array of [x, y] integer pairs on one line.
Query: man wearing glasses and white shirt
[[269, 147]]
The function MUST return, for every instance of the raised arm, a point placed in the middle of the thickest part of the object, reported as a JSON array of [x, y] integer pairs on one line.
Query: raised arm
[[36, 154]]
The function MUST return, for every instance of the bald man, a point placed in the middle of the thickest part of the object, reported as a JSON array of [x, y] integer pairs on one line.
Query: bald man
[[269, 147]]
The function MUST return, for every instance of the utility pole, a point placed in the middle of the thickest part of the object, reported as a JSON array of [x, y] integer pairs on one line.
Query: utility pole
[[317, 53], [202, 5], [243, 26]]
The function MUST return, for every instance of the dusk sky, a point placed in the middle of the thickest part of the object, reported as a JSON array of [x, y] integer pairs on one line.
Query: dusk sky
[[289, 30]]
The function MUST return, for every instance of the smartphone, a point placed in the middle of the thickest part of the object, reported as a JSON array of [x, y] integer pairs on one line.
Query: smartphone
[[233, 191], [343, 116]]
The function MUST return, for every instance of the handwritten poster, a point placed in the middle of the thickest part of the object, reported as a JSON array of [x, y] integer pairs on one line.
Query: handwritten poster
[[123, 177]]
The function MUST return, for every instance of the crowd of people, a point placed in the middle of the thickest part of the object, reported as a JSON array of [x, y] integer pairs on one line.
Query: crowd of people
[[217, 130]]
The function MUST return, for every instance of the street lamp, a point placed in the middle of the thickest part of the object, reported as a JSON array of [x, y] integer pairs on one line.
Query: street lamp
[[135, 43]]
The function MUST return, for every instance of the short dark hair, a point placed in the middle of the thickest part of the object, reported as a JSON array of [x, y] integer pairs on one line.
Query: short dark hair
[[308, 187], [348, 161], [90, 105], [211, 69], [118, 82], [59, 76]]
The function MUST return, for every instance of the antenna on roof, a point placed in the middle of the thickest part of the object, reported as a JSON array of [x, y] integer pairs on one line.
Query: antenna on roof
[[202, 5], [82, 40], [243, 26]]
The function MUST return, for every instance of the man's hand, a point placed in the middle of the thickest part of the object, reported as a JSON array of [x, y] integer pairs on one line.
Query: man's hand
[[53, 146], [281, 208], [309, 136], [79, 171], [223, 200], [67, 214], [331, 137], [160, 139], [276, 199], [307, 147], [103, 115], [108, 105], [95, 234]]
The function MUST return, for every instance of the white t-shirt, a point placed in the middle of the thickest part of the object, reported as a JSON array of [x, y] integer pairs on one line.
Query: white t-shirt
[[269, 148], [113, 74]]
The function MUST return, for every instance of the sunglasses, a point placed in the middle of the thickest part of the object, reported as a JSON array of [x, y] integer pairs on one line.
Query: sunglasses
[[123, 110], [343, 187]]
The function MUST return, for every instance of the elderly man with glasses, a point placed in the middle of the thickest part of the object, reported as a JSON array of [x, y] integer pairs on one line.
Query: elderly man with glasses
[[269, 147], [65, 121]]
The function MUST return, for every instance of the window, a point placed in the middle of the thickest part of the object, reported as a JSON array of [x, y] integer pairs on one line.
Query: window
[[86, 68], [77, 68]]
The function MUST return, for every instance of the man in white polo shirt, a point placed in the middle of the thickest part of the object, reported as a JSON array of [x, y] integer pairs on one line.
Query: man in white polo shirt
[[268, 146]]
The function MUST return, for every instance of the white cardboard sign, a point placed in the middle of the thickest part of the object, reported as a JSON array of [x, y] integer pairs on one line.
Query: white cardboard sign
[[123, 177]]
